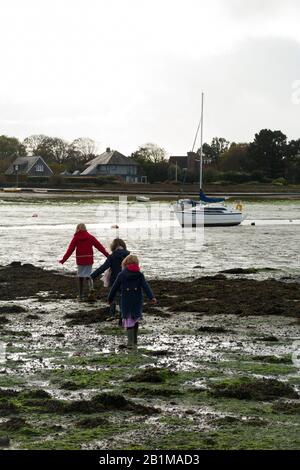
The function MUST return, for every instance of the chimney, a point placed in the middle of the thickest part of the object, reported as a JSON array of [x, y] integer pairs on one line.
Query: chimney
[[108, 150]]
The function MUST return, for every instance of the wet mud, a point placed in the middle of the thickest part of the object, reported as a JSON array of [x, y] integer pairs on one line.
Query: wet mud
[[216, 365]]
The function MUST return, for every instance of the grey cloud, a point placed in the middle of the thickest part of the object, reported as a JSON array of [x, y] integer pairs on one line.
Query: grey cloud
[[248, 9], [246, 90]]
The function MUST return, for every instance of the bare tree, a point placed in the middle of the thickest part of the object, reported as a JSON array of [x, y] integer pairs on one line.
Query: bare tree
[[150, 153], [33, 142], [85, 147], [53, 149]]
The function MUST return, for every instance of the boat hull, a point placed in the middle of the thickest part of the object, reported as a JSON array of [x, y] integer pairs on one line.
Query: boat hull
[[11, 190], [208, 218], [142, 199]]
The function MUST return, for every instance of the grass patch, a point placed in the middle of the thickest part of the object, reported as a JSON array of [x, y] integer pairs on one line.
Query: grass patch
[[256, 367], [234, 436], [152, 375], [252, 389]]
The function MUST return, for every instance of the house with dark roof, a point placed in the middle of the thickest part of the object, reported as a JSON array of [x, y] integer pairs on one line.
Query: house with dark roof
[[188, 162], [113, 163], [30, 166]]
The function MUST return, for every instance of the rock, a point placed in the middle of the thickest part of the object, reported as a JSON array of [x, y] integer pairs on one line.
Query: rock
[[55, 335], [152, 375], [287, 407], [32, 317], [239, 271], [3, 320], [8, 408], [162, 352], [268, 339], [15, 264], [12, 309], [92, 422], [87, 317], [14, 424], [190, 412], [36, 393], [212, 329]]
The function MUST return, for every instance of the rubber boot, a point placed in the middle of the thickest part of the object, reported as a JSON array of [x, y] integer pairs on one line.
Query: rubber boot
[[91, 284], [112, 309], [135, 336], [130, 338], [80, 288], [92, 292], [92, 296]]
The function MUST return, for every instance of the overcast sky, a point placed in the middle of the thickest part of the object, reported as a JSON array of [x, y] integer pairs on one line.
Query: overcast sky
[[126, 72]]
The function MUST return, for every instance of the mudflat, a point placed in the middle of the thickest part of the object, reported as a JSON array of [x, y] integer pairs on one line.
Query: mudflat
[[216, 367]]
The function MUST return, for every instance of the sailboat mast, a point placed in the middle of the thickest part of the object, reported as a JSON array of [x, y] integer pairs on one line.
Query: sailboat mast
[[201, 143]]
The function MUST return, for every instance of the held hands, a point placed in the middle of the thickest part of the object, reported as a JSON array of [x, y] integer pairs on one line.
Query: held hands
[[154, 301]]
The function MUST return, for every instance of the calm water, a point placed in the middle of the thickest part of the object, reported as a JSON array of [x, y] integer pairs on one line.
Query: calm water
[[39, 232]]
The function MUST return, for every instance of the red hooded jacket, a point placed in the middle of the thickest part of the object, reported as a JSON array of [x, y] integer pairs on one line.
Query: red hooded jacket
[[83, 241]]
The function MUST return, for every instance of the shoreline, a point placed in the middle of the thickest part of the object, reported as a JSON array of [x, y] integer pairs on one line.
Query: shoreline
[[28, 194], [268, 296]]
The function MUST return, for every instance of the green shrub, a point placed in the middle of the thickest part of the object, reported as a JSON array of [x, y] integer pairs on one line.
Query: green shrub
[[3, 179], [222, 183], [56, 180], [101, 180], [40, 180], [258, 175], [13, 178], [211, 175], [280, 182], [236, 177]]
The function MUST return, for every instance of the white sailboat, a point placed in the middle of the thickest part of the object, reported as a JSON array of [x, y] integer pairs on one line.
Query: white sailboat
[[210, 212]]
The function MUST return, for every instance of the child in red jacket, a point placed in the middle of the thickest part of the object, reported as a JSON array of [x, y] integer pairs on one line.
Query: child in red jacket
[[83, 241]]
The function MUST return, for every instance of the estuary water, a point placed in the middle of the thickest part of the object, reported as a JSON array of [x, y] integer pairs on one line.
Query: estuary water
[[38, 232]]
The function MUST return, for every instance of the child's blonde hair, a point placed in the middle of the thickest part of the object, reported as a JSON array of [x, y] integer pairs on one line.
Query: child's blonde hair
[[130, 259], [81, 227]]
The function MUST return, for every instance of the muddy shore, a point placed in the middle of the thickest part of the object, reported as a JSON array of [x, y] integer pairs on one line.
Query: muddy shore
[[216, 366], [155, 192]]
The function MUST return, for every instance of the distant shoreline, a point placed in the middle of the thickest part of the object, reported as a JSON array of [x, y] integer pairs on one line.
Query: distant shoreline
[[153, 194]]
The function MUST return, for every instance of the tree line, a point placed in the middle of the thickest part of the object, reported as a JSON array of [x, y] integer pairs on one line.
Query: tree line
[[59, 154], [270, 156]]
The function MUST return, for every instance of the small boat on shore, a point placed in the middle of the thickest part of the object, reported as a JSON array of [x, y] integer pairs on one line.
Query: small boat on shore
[[12, 190], [142, 199]]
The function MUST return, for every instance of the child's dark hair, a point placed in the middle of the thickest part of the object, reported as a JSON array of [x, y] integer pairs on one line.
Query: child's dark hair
[[117, 242]]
